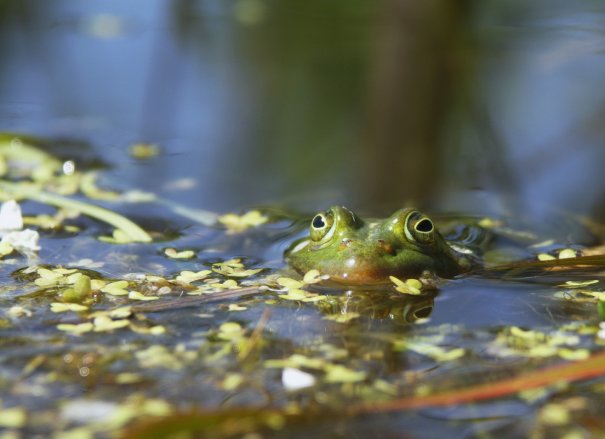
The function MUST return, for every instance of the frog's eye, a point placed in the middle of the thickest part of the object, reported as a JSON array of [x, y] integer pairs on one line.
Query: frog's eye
[[419, 228], [321, 226]]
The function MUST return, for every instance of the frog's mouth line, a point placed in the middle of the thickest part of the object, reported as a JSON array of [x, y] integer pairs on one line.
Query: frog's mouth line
[[301, 245]]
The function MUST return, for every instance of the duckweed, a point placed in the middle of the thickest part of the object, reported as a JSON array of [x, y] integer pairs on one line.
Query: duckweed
[[410, 286], [94, 353], [238, 224], [234, 268], [174, 254]]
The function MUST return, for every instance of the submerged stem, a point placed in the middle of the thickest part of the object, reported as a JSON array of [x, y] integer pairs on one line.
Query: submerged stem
[[133, 231]]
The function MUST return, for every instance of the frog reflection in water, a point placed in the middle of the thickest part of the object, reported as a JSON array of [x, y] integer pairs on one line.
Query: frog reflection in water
[[357, 252]]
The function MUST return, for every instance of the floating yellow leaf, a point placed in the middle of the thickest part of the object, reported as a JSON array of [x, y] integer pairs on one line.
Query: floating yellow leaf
[[82, 284], [236, 307], [120, 313], [174, 254], [62, 307], [296, 294], [64, 271], [75, 433], [312, 297], [119, 237], [312, 276], [289, 283], [232, 271], [191, 276], [515, 341], [77, 329], [44, 221], [105, 323], [410, 286], [149, 357], [152, 330], [143, 151], [128, 378], [116, 288], [433, 351], [545, 257], [48, 277], [595, 294], [157, 330], [237, 224], [343, 318], [89, 187], [489, 223], [567, 253], [555, 415], [232, 381], [13, 417], [19, 311], [44, 282], [526, 334], [228, 284], [5, 248], [161, 356], [97, 284], [336, 373], [135, 295], [234, 263], [544, 243], [578, 283], [230, 331], [573, 354], [81, 288]]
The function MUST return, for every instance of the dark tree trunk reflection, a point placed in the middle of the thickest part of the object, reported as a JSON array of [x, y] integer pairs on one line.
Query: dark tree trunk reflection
[[416, 67]]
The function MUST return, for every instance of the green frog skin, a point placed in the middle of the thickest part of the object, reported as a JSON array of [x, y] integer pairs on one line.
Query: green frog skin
[[357, 252]]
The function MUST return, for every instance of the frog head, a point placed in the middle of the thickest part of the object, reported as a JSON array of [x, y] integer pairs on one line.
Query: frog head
[[353, 251]]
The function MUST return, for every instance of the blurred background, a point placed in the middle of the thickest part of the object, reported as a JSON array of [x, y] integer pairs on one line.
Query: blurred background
[[374, 104]]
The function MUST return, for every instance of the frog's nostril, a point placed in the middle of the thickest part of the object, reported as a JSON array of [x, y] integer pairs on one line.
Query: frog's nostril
[[386, 247]]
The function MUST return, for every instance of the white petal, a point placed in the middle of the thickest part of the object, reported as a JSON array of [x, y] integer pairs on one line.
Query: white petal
[[295, 379], [84, 411], [10, 216], [23, 241]]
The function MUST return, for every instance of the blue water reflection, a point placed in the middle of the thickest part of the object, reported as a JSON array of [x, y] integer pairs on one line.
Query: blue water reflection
[[265, 102]]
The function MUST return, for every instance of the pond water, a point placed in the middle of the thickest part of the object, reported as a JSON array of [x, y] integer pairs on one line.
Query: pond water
[[273, 111]]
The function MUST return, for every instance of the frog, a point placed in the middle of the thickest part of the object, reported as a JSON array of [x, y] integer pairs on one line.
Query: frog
[[350, 250]]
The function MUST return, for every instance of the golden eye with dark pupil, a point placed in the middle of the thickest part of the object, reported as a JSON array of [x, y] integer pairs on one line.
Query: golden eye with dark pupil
[[318, 222], [423, 313], [425, 225], [419, 228], [321, 224]]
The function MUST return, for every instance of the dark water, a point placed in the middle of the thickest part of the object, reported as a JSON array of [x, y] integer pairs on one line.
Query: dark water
[[484, 108]]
